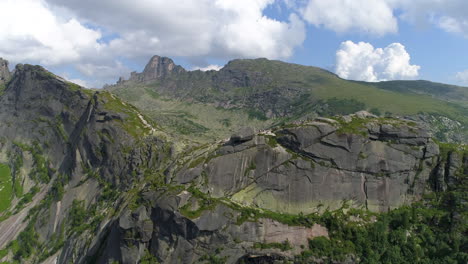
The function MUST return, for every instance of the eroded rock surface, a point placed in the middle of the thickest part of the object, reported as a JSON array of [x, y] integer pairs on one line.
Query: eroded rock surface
[[323, 162]]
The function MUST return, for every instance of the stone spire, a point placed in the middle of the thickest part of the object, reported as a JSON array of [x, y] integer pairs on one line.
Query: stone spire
[[5, 74], [159, 67]]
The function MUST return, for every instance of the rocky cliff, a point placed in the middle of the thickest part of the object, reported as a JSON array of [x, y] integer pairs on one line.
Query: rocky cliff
[[65, 144], [91, 180], [261, 197]]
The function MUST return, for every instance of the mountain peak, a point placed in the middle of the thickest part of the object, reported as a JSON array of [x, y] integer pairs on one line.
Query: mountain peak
[[157, 68]]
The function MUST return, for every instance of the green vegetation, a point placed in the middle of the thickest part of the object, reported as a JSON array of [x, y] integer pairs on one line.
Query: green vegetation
[[148, 258], [109, 191], [271, 141], [77, 217], [212, 259], [284, 246], [356, 126], [27, 243], [27, 198], [197, 121], [204, 203], [17, 184], [132, 123], [439, 90], [256, 114], [40, 172], [2, 88], [56, 192], [446, 148], [375, 111], [420, 234], [198, 161], [337, 106], [6, 187], [226, 122]]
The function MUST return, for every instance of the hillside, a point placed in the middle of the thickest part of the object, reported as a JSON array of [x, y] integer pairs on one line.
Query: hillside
[[85, 177], [261, 93]]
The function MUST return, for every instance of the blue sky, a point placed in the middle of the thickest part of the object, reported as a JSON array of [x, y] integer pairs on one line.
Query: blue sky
[[93, 43]]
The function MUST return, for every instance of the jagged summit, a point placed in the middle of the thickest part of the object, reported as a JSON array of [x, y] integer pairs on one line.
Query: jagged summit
[[5, 74], [157, 68]]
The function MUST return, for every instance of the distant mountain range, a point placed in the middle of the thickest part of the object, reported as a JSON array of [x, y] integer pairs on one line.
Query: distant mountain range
[[262, 93]]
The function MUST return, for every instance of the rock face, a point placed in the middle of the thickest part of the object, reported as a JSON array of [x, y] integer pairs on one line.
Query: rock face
[[318, 163], [157, 68], [4, 71], [161, 230]]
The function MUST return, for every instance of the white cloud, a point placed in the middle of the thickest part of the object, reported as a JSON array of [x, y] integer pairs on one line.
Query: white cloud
[[449, 15], [462, 77], [30, 32], [377, 17], [209, 68], [218, 28], [372, 17], [361, 61], [452, 25]]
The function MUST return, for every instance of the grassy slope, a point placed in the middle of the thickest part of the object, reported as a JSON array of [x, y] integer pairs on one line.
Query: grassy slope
[[390, 101], [192, 120], [325, 85], [437, 90], [6, 188]]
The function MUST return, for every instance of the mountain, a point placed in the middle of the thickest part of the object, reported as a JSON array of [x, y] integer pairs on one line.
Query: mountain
[[261, 93], [85, 177]]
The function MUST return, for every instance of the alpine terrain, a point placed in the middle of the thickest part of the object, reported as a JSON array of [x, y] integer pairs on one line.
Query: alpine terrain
[[260, 162]]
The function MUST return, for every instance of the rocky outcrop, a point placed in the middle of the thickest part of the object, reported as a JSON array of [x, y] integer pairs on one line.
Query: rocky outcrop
[[157, 68], [378, 164], [4, 71], [244, 134], [160, 229]]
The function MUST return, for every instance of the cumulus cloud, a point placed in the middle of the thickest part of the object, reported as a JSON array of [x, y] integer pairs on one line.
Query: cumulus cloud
[[220, 28], [31, 32], [208, 68], [361, 61], [462, 77], [452, 25], [377, 17], [373, 17], [449, 15]]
